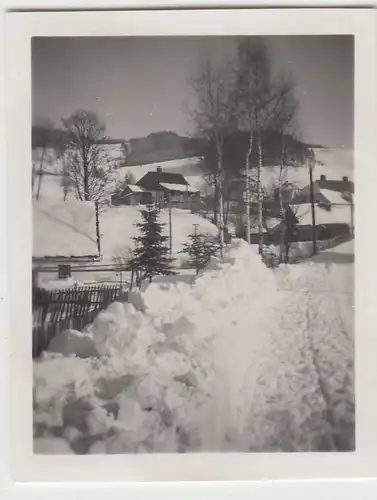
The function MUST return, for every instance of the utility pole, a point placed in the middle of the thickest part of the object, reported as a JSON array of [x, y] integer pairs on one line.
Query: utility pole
[[97, 229], [170, 226], [260, 193], [311, 165], [247, 200]]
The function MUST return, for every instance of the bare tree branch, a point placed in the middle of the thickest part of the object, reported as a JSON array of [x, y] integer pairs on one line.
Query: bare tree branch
[[88, 165], [213, 117]]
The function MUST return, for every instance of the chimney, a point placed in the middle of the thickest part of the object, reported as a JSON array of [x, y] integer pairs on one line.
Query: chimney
[[159, 170], [322, 178], [345, 179]]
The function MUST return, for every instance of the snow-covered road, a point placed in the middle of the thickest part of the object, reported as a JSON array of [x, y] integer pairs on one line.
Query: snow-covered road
[[287, 374], [246, 359]]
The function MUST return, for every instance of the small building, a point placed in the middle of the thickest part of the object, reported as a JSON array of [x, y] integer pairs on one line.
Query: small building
[[65, 235], [131, 195], [165, 186], [334, 206], [326, 192]]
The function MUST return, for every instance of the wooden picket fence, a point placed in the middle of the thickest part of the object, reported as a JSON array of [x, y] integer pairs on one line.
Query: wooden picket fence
[[57, 310]]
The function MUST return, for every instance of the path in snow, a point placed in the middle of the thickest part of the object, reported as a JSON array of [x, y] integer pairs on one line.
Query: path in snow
[[293, 364]]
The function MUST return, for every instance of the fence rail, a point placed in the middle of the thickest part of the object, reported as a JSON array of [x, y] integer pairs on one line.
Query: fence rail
[[71, 308]]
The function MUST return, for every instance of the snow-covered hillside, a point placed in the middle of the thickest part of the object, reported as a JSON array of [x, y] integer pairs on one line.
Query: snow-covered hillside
[[246, 359], [188, 167], [334, 163]]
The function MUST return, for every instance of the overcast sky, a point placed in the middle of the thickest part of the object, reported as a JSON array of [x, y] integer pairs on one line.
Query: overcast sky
[[141, 85]]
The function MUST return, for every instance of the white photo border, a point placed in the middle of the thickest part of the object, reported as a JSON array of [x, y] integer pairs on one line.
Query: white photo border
[[20, 28]]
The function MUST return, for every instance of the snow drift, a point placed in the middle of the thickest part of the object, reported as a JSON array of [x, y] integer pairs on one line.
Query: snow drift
[[236, 362]]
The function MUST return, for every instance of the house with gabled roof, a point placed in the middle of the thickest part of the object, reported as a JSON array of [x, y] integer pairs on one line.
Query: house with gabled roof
[[166, 185], [131, 194], [333, 205], [326, 192]]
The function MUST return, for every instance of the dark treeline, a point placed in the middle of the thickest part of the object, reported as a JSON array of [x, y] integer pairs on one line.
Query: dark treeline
[[236, 145]]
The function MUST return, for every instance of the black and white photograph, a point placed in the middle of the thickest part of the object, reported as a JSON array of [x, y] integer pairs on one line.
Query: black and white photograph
[[193, 244]]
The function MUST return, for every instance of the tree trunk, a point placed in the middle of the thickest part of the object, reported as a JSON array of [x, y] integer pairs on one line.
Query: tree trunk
[[40, 173], [227, 209], [65, 179], [287, 245], [281, 203], [86, 183], [216, 201], [221, 198], [247, 191], [259, 187], [33, 174]]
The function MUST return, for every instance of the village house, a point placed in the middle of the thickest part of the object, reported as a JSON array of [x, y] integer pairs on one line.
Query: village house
[[164, 186], [326, 192], [333, 210], [131, 195], [334, 206], [65, 235]]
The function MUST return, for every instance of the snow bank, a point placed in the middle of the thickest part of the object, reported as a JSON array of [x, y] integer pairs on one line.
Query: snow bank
[[229, 363], [72, 342], [156, 366]]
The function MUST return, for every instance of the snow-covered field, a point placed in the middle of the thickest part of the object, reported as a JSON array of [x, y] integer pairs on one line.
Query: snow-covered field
[[56, 230], [118, 227], [66, 229], [246, 359]]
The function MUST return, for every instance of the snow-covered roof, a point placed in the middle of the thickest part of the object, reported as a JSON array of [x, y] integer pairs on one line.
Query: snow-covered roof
[[178, 187], [135, 189], [334, 197], [337, 214], [64, 229]]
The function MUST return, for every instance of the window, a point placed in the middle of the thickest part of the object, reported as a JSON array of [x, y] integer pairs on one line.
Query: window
[[64, 271]]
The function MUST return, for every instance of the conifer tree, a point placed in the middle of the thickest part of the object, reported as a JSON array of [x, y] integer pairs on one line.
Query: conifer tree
[[200, 248], [151, 254]]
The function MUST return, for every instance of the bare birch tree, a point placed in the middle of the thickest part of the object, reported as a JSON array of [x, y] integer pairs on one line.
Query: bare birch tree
[[283, 120], [258, 94], [88, 165], [213, 118]]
